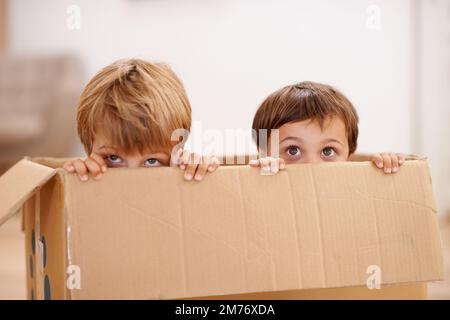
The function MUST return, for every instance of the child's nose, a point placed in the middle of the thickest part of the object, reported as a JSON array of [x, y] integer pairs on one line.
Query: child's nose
[[132, 164], [312, 159]]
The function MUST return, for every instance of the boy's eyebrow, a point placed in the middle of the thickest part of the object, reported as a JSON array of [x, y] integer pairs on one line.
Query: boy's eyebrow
[[106, 147], [333, 140], [292, 138], [300, 139]]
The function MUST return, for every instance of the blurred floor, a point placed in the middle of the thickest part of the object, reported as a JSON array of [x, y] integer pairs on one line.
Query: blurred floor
[[12, 262]]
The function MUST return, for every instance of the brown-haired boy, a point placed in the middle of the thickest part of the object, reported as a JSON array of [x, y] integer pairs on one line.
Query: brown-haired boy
[[126, 116], [316, 123]]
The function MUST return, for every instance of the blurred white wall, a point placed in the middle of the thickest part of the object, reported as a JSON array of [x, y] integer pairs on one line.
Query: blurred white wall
[[431, 127], [231, 54]]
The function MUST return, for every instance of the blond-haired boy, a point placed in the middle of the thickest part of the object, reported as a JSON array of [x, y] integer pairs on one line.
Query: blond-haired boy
[[126, 116]]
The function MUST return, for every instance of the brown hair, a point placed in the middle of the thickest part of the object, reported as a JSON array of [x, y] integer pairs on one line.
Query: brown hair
[[136, 103], [303, 101]]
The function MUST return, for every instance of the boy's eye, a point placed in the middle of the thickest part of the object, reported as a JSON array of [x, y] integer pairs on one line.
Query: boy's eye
[[114, 159], [328, 152], [152, 163], [294, 151]]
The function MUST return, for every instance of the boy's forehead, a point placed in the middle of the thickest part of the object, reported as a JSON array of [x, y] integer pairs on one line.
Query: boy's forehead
[[103, 143], [332, 127]]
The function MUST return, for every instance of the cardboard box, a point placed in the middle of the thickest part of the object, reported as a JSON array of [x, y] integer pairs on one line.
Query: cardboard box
[[311, 231]]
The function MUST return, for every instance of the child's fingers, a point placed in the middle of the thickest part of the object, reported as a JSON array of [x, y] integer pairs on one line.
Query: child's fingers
[[185, 159], [401, 158], [254, 163], [201, 169], [80, 169], [394, 160], [377, 159], [265, 165], [93, 167], [268, 165], [274, 165], [190, 171], [101, 162], [387, 163], [214, 163], [282, 164], [68, 166]]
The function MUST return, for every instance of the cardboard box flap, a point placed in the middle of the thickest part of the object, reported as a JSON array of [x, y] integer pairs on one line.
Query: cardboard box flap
[[149, 234], [18, 184], [51, 161]]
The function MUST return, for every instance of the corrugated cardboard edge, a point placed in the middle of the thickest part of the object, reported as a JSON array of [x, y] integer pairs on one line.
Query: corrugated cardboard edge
[[51, 161], [69, 252], [243, 159], [368, 157], [19, 183]]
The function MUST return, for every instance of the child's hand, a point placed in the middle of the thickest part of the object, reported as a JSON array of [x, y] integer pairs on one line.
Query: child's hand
[[390, 162], [195, 166], [94, 164], [268, 165]]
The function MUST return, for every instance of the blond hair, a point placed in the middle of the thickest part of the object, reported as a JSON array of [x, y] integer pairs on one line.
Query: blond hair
[[136, 103]]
